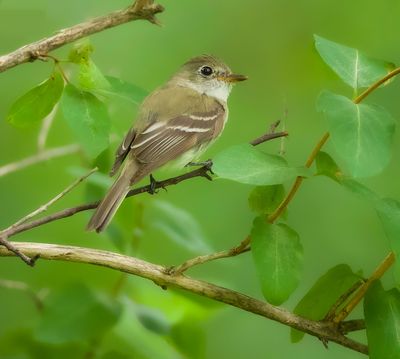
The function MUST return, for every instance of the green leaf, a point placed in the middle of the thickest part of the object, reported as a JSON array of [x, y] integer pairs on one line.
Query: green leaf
[[352, 66], [130, 338], [21, 344], [278, 258], [80, 52], [190, 338], [389, 213], [153, 319], [264, 199], [113, 354], [362, 134], [125, 90], [358, 189], [76, 314], [175, 303], [382, 321], [178, 225], [37, 103], [246, 164], [88, 118], [91, 78], [323, 295], [327, 166]]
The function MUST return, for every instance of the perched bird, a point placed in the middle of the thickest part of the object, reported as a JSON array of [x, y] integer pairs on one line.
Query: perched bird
[[177, 121]]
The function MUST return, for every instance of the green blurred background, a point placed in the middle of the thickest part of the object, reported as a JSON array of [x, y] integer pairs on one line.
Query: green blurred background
[[272, 43]]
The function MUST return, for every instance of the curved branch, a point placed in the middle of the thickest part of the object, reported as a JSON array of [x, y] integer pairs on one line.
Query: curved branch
[[159, 275], [140, 10]]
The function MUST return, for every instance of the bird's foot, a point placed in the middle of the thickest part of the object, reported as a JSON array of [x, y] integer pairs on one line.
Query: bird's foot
[[153, 185]]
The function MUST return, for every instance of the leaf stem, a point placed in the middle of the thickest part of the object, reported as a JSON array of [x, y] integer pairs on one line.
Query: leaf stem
[[375, 85], [296, 185], [282, 206]]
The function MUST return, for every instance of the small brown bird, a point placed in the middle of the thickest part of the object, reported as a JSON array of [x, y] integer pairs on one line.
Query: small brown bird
[[177, 121]]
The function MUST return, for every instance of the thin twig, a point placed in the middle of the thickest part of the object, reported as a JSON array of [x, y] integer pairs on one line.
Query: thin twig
[[37, 158], [341, 300], [4, 242], [45, 206], [378, 273], [282, 206], [268, 136], [141, 10], [351, 326], [241, 248], [158, 274], [375, 85]]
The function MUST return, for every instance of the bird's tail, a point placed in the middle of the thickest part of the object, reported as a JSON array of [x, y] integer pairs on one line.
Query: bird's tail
[[114, 197]]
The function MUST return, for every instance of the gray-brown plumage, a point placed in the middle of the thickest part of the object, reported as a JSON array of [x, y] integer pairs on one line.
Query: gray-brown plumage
[[177, 121]]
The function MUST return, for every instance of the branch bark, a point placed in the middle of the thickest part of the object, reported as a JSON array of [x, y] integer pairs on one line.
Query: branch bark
[[140, 10], [159, 275]]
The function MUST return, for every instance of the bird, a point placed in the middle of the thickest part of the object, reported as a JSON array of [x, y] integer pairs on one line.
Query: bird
[[176, 123]]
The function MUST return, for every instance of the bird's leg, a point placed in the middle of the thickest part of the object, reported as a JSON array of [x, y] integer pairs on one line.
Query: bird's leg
[[153, 185]]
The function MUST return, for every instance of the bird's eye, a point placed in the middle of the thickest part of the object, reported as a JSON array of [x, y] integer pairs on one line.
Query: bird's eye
[[206, 70]]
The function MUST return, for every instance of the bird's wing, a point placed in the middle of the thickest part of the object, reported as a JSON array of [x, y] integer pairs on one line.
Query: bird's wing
[[165, 139], [123, 150], [171, 122]]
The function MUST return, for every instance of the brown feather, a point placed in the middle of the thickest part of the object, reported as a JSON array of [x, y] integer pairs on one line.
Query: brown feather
[[123, 151]]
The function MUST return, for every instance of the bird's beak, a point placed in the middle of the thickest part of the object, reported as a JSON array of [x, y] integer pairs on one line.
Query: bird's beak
[[232, 78]]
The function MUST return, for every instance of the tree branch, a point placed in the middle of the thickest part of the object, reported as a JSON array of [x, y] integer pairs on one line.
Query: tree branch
[[159, 275], [68, 212], [140, 10]]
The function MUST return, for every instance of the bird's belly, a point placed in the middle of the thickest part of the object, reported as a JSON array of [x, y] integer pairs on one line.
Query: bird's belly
[[189, 156]]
